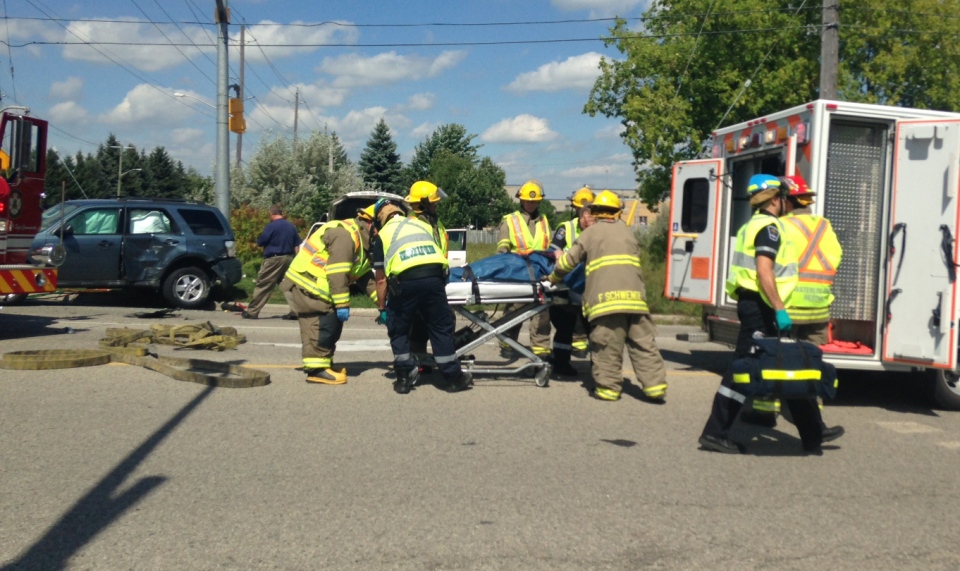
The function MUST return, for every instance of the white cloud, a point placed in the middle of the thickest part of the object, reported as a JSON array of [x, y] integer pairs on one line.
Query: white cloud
[[143, 57], [615, 166], [576, 72], [355, 70], [266, 39], [69, 89], [600, 8], [424, 129], [521, 129], [67, 113], [145, 105], [421, 101], [610, 132]]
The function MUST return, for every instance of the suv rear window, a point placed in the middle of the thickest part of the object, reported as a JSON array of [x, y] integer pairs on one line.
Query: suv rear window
[[202, 222]]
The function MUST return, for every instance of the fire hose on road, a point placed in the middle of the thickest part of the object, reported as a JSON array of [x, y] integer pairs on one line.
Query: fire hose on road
[[129, 346]]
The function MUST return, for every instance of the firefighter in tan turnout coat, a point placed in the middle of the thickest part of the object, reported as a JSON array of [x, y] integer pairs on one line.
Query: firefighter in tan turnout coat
[[613, 302]]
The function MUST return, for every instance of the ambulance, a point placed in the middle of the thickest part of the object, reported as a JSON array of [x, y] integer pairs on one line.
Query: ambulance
[[888, 179]]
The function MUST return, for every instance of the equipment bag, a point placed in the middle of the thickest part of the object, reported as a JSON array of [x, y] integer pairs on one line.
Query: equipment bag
[[784, 368]]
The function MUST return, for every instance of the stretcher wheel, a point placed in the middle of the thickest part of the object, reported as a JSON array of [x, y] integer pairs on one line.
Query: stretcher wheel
[[543, 376]]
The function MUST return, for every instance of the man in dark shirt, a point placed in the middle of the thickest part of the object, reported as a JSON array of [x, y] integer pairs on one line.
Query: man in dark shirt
[[280, 241]]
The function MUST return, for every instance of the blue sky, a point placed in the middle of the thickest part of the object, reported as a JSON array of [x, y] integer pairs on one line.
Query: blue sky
[[524, 101]]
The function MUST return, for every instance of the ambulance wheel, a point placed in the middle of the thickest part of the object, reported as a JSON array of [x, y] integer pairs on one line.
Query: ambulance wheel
[[12, 298], [946, 389], [543, 376]]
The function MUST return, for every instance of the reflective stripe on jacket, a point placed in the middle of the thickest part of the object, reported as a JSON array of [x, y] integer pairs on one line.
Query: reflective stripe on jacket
[[820, 253], [311, 269], [408, 243], [743, 264], [522, 241]]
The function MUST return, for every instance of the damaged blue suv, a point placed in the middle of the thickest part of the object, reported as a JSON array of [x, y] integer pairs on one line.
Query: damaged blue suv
[[181, 248]]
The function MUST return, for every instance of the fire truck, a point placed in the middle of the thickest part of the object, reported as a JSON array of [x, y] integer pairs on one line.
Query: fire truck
[[23, 155], [888, 179]]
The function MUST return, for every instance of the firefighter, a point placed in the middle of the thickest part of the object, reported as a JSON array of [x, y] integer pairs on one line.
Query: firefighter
[[411, 276], [567, 319], [524, 232], [318, 283], [763, 273], [613, 303], [424, 198]]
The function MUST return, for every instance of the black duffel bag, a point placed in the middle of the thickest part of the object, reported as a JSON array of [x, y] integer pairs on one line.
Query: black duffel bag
[[784, 368]]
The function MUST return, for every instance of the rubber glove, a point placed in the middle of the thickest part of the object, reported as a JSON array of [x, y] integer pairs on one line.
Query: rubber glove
[[783, 320], [343, 313], [382, 318]]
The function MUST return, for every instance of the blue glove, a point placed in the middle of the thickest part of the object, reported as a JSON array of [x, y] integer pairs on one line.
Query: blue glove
[[783, 320], [343, 313], [382, 318]]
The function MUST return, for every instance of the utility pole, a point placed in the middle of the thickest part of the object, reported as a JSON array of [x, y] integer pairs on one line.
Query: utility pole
[[240, 95], [222, 174], [830, 49], [296, 115]]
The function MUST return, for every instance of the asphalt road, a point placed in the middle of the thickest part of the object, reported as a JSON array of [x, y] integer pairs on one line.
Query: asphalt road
[[118, 467]]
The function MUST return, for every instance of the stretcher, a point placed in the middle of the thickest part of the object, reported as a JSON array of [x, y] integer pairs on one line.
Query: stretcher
[[531, 299]]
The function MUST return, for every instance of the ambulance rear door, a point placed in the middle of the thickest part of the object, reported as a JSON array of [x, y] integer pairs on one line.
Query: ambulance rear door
[[692, 242], [921, 261]]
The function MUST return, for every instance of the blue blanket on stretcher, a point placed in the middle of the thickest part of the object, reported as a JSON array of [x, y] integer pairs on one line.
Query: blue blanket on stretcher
[[516, 268]]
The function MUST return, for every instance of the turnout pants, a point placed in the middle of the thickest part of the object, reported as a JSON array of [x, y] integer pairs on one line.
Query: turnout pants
[[426, 297], [270, 274], [608, 336], [539, 331], [728, 402], [319, 327]]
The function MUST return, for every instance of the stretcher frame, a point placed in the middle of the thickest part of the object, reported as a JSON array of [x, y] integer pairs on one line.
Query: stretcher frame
[[541, 299]]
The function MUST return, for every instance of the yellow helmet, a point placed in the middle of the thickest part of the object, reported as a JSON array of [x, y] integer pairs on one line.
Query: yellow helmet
[[606, 202], [581, 197], [366, 213], [531, 190], [421, 190]]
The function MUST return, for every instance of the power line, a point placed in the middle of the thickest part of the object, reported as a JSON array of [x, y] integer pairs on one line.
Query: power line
[[189, 60], [13, 81]]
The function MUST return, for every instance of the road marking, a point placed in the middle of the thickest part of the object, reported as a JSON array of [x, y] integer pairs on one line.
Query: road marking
[[908, 427]]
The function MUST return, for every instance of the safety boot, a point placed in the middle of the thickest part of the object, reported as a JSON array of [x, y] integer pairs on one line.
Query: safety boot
[[656, 393], [832, 433], [461, 384], [327, 376], [601, 393], [406, 380], [561, 364], [718, 444]]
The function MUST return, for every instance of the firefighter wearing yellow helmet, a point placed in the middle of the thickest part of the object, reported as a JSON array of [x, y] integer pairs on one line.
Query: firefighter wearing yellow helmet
[[425, 198], [524, 232], [411, 275], [567, 319], [317, 287], [614, 304]]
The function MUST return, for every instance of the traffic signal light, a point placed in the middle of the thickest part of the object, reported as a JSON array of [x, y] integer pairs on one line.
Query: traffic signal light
[[237, 123]]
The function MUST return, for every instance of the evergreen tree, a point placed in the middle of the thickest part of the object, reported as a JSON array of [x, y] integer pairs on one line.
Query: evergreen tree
[[380, 163], [452, 138]]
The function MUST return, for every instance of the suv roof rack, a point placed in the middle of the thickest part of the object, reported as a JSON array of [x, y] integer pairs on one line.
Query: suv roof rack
[[149, 199]]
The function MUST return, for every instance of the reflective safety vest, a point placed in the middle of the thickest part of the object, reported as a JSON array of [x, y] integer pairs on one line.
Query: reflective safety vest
[[743, 264], [520, 238], [571, 231], [439, 233], [408, 243], [820, 253], [310, 269]]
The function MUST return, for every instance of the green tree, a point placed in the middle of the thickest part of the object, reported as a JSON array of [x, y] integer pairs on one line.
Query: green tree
[[380, 163], [685, 72], [452, 138], [475, 191]]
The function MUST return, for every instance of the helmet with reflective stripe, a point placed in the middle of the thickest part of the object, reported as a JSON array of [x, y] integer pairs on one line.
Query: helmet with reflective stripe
[[606, 202], [383, 209], [531, 190], [762, 187], [424, 190], [581, 197]]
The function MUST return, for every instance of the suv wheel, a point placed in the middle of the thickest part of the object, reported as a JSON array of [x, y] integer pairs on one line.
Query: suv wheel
[[187, 288], [12, 298]]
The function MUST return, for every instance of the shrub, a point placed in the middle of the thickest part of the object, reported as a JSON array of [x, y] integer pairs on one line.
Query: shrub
[[248, 223]]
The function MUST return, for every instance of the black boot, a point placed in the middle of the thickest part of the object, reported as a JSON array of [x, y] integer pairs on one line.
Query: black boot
[[406, 380], [561, 363]]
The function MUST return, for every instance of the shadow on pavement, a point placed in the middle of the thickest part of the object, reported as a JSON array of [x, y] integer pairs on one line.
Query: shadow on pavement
[[134, 298], [102, 505]]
